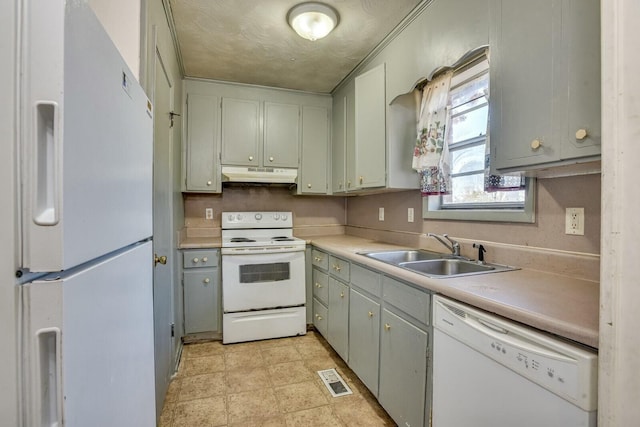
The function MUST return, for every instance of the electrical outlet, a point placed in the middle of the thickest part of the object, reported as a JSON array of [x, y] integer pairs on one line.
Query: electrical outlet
[[574, 221], [208, 213], [380, 214], [409, 214]]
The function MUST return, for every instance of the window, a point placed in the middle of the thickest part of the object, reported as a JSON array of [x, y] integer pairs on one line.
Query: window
[[468, 110]]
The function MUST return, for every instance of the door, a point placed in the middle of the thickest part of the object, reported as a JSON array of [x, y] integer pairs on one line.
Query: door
[[162, 226]]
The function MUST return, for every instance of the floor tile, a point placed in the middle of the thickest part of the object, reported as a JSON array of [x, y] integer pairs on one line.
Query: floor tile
[[247, 379], [202, 349], [277, 421], [275, 355], [316, 417], [243, 359], [252, 404], [359, 412], [203, 365], [172, 391], [289, 373], [208, 412], [201, 386], [312, 350], [296, 397], [242, 346]]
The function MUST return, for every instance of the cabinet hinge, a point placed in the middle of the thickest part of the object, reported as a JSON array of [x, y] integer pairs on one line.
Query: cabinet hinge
[[430, 417], [173, 330]]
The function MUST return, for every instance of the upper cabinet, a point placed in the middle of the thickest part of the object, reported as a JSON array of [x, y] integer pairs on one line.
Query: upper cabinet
[[258, 133], [202, 144], [315, 148], [545, 83]]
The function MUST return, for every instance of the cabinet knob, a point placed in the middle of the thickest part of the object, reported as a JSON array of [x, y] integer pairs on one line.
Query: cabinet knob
[[339, 185], [206, 280], [371, 314], [361, 179], [318, 285], [581, 134], [318, 317], [195, 260], [337, 268], [341, 294], [308, 185], [387, 326], [348, 184], [271, 159], [209, 183], [205, 259], [250, 158], [535, 144]]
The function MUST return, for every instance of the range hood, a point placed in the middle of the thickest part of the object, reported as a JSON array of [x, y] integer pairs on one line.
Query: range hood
[[259, 175]]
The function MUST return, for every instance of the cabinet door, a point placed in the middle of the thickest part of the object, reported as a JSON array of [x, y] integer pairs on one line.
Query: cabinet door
[[241, 141], [202, 143], [364, 335], [315, 141], [370, 127], [201, 300], [523, 102], [350, 138], [338, 324], [320, 315], [403, 370], [338, 139], [281, 134], [581, 38]]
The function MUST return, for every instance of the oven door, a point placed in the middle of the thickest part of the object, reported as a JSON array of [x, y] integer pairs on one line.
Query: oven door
[[262, 281]]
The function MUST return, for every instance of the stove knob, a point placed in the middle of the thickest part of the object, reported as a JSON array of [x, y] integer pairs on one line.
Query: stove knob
[[284, 217], [239, 216], [276, 216], [258, 216], [230, 217]]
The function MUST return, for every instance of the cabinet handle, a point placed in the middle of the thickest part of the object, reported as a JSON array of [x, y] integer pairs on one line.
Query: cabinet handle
[[581, 134], [348, 184], [341, 294], [337, 268], [195, 260], [371, 314], [271, 159], [318, 285], [205, 259], [361, 179], [340, 185], [308, 185], [387, 326], [250, 158], [535, 144], [209, 183], [318, 317], [207, 280]]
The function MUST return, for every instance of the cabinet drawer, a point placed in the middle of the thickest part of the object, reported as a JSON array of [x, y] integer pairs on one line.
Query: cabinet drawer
[[412, 301], [367, 280], [339, 268], [320, 313], [320, 259], [320, 285], [200, 258]]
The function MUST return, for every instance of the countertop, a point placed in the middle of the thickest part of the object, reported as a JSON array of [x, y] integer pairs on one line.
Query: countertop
[[557, 304], [561, 305]]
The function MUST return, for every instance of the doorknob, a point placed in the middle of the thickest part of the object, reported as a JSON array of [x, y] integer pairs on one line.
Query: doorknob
[[159, 259]]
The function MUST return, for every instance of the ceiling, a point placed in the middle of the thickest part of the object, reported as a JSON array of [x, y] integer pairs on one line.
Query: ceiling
[[250, 41]]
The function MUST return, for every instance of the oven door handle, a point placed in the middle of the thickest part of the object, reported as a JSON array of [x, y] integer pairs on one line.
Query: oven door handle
[[261, 250]]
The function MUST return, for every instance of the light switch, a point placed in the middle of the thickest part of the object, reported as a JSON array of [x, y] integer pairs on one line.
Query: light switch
[[380, 214]]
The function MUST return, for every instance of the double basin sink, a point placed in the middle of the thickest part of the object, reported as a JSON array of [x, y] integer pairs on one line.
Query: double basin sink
[[434, 264]]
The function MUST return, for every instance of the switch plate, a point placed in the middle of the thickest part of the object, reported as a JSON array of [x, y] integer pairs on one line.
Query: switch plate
[[208, 213], [574, 221], [409, 214], [380, 214]]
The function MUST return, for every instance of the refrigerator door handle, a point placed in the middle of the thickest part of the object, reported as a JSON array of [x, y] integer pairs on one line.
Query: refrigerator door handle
[[48, 407], [46, 179]]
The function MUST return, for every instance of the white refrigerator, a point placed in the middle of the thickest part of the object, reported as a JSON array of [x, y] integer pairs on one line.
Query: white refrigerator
[[85, 155]]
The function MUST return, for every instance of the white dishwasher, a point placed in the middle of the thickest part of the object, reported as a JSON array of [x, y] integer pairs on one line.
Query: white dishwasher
[[492, 372]]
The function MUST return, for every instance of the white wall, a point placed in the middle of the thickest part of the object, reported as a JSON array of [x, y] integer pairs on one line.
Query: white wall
[[121, 19], [8, 289], [619, 375]]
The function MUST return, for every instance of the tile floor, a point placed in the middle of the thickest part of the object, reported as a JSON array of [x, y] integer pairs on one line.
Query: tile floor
[[265, 383]]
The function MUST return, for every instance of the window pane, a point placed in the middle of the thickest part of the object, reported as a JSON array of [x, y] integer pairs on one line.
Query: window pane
[[467, 159], [469, 189], [476, 88], [469, 125]]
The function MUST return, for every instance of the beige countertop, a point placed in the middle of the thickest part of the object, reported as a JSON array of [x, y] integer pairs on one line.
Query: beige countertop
[[561, 305]]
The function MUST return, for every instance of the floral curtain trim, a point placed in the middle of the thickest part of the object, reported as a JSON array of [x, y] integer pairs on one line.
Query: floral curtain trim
[[431, 154]]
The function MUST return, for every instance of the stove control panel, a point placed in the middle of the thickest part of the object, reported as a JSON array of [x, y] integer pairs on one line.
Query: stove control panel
[[232, 220]]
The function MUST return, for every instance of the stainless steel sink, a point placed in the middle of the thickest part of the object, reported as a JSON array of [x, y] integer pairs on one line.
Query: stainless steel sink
[[447, 267], [400, 256], [434, 264]]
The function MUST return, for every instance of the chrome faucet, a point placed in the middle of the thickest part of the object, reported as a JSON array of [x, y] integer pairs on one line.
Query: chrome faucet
[[452, 245]]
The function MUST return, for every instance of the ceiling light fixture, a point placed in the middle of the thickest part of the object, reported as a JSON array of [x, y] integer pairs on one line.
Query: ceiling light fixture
[[312, 20]]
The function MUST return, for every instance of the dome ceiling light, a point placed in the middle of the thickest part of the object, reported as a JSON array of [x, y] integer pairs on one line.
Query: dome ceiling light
[[312, 20]]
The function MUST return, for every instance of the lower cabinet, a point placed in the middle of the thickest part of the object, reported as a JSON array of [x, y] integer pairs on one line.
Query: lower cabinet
[[403, 370], [320, 313], [202, 291], [338, 322], [364, 338]]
